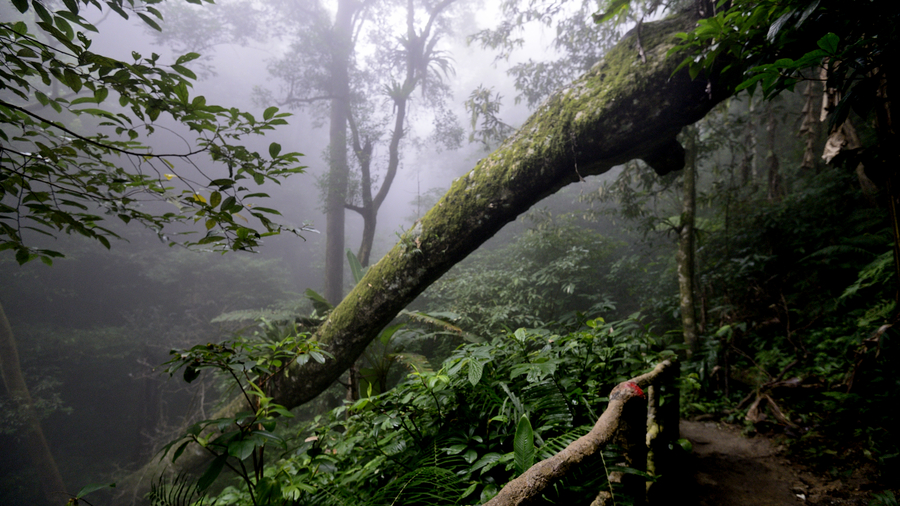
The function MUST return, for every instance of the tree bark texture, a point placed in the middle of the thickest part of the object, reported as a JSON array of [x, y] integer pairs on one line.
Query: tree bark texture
[[342, 43], [685, 255], [619, 110], [32, 437]]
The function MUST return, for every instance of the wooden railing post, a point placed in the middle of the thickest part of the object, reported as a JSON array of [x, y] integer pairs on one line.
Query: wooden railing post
[[625, 422], [631, 438], [663, 415]]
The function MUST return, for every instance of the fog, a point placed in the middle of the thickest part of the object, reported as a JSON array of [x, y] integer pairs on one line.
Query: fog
[[93, 330]]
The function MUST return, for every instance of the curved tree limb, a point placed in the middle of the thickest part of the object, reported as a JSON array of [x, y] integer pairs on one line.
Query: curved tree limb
[[620, 110]]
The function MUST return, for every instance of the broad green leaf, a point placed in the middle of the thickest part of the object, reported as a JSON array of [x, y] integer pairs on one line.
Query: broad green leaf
[[180, 450], [93, 488], [186, 58], [523, 445], [241, 448], [274, 149], [150, 22], [269, 113], [355, 267], [476, 369], [212, 472], [184, 71], [829, 43]]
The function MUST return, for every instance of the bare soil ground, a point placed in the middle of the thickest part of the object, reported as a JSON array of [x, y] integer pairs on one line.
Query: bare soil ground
[[731, 469]]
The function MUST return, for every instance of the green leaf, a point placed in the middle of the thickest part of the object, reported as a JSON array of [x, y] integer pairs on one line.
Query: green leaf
[[147, 19], [523, 445], [22, 5], [180, 450], [269, 113], [191, 373], [215, 198], [100, 95], [72, 5], [228, 203], [87, 489], [242, 448], [42, 13], [355, 267], [776, 26], [186, 58], [211, 473], [274, 149], [476, 369], [181, 92], [184, 71], [615, 7], [829, 43]]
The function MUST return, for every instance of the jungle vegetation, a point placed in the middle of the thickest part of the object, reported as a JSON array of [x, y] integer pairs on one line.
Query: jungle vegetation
[[468, 370]]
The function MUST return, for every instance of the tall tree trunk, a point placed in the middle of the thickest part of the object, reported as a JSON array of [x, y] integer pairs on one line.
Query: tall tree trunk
[[342, 44], [622, 109], [774, 184], [33, 439], [750, 163], [685, 256]]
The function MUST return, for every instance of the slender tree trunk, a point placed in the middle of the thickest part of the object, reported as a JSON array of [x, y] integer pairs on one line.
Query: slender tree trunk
[[33, 437], [416, 69], [774, 186], [341, 40], [685, 257], [749, 166]]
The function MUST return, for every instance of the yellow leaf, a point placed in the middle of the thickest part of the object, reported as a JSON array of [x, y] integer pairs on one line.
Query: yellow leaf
[[241, 217], [169, 176], [199, 198]]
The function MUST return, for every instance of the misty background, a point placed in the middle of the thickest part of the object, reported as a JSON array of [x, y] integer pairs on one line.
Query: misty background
[[93, 329]]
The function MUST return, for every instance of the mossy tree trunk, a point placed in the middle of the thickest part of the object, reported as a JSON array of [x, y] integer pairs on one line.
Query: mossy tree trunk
[[339, 171], [685, 256], [32, 439], [622, 109]]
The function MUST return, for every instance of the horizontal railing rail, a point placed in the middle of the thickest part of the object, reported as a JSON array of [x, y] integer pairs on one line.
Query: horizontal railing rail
[[641, 419]]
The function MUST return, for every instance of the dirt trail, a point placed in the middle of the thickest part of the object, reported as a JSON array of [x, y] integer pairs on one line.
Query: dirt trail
[[735, 470], [730, 469]]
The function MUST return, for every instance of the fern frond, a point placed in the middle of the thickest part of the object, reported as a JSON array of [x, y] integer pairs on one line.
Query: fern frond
[[181, 491], [426, 486], [549, 404], [283, 312]]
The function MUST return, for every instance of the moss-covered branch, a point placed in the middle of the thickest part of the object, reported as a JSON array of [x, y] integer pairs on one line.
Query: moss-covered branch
[[621, 109]]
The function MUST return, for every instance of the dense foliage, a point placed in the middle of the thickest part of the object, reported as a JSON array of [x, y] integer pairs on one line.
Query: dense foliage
[[455, 435]]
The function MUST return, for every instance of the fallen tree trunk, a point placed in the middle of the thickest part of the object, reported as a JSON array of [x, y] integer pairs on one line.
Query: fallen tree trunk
[[623, 108]]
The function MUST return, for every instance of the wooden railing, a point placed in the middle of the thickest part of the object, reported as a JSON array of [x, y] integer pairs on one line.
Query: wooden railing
[[641, 419]]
